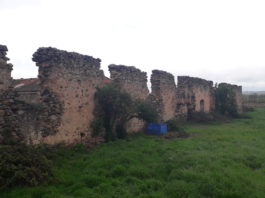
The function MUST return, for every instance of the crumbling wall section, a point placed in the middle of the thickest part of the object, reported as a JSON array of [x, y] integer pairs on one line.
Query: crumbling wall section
[[17, 119], [164, 94], [68, 81], [196, 93], [133, 81]]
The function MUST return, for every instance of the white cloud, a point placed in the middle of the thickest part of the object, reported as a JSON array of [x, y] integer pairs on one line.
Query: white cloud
[[216, 40]]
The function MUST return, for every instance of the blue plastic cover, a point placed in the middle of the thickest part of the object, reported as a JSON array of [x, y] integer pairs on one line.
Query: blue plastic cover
[[156, 128]]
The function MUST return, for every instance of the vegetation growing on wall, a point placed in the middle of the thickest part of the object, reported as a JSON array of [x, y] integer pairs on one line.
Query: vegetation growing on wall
[[225, 101], [114, 108]]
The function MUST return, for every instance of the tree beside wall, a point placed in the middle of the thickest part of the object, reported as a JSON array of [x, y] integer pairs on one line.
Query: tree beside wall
[[114, 108]]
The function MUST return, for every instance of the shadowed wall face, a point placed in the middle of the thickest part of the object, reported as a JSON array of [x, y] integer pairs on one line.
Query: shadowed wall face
[[68, 82]]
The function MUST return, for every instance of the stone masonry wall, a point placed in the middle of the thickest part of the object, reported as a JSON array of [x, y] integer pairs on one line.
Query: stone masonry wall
[[17, 119], [164, 94], [68, 82], [133, 81], [58, 107], [196, 93]]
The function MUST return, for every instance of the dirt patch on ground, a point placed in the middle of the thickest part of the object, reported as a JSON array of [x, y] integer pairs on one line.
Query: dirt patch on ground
[[175, 135], [172, 135]]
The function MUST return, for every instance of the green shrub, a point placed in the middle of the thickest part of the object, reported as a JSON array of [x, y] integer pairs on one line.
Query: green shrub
[[146, 112], [114, 108], [174, 126], [22, 165]]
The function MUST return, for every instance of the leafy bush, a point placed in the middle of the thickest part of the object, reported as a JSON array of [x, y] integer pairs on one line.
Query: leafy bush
[[146, 112], [22, 165], [114, 108], [174, 126]]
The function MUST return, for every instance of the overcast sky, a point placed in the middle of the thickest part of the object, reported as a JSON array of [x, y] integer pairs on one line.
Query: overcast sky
[[219, 40]]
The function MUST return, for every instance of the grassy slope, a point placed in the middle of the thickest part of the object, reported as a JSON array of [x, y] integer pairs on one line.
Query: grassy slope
[[219, 160]]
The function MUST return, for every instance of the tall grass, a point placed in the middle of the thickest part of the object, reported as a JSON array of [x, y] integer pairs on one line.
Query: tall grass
[[218, 160]]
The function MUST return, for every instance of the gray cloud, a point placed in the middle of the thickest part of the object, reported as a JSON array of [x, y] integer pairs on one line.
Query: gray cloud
[[192, 38]]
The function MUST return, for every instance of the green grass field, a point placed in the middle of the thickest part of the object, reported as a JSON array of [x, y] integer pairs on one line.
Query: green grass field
[[218, 160]]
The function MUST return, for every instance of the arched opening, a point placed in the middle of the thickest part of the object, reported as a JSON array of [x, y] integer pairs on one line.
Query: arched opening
[[202, 105]]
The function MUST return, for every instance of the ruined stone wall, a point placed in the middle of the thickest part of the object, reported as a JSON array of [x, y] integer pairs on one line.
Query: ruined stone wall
[[59, 106], [21, 120], [238, 95], [133, 81], [164, 94], [68, 82], [17, 119], [196, 93]]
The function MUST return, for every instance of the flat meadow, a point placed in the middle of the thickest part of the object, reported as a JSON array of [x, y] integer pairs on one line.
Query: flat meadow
[[219, 160]]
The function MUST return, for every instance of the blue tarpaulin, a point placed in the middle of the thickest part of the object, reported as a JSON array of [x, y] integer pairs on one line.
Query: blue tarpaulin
[[155, 128]]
